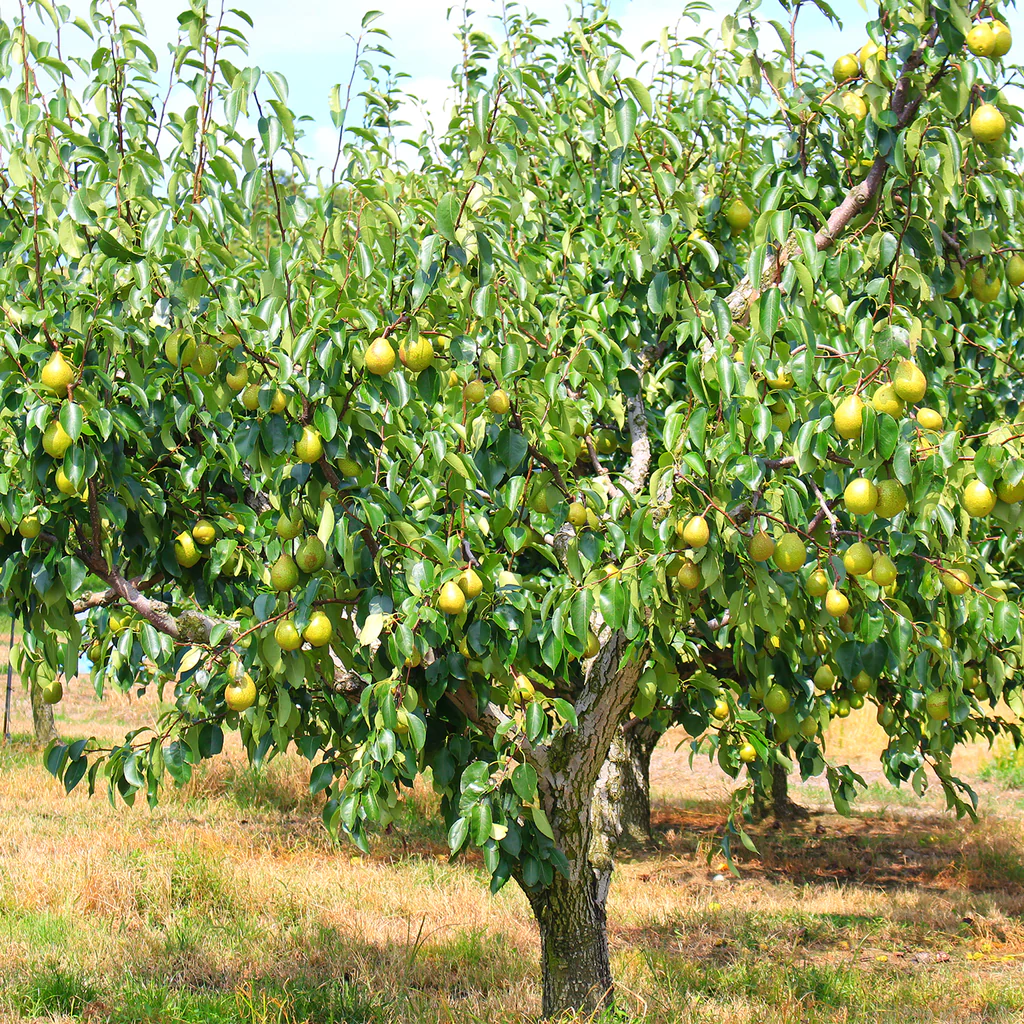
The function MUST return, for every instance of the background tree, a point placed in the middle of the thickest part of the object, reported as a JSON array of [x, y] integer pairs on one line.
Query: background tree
[[595, 408]]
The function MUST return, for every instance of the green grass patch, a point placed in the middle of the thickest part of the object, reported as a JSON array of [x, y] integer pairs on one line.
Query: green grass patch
[[1006, 767]]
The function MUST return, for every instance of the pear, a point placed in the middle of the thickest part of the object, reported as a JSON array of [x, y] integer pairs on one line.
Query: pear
[[470, 582], [909, 383], [238, 378], [474, 391], [849, 417], [451, 600], [287, 636], [379, 357], [284, 574], [499, 402], [205, 361], [416, 356], [56, 440], [289, 528], [319, 631], [185, 550], [312, 554], [204, 532], [309, 448], [57, 374]]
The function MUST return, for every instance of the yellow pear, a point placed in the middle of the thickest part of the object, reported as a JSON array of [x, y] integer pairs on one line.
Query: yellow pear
[[237, 378], [309, 448], [279, 401], [790, 553], [577, 515], [695, 532], [474, 391], [987, 124], [30, 527], [185, 550], [470, 582], [416, 356], [689, 575], [451, 600], [849, 417], [56, 440], [846, 67], [837, 604], [1015, 271], [57, 374], [817, 583], [761, 547], [853, 105], [379, 357], [1010, 493], [858, 559], [289, 528], [738, 216], [498, 402], [860, 496], [978, 500], [883, 570], [241, 693], [886, 400], [909, 383], [204, 532], [287, 636], [205, 361], [981, 40], [930, 419], [892, 499], [319, 631], [1004, 39]]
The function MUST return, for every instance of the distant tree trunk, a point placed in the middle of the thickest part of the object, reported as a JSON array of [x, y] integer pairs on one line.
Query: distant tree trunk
[[42, 716], [782, 808], [622, 797]]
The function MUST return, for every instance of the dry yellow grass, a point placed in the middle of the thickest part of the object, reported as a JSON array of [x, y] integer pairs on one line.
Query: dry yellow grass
[[229, 901]]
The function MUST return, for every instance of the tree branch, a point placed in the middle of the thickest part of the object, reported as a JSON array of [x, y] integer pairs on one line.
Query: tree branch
[[489, 719]]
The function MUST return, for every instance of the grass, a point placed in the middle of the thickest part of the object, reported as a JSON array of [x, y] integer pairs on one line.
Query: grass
[[230, 904], [1006, 768]]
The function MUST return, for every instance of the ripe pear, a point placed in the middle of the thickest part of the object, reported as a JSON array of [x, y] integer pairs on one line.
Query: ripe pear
[[474, 392], [883, 570], [987, 124], [279, 401], [981, 40], [858, 559], [1004, 39], [777, 700], [957, 288], [860, 496], [930, 419], [748, 753], [593, 645], [892, 499], [837, 604], [204, 532], [470, 582], [498, 402], [1015, 271], [287, 636], [689, 575], [240, 694], [1010, 493], [817, 583], [761, 547], [319, 631], [790, 553], [238, 378], [185, 550], [846, 67], [695, 532], [251, 397], [205, 361], [870, 51], [852, 104], [577, 514], [886, 400], [937, 705], [180, 351], [849, 417], [30, 527], [64, 484], [57, 374], [824, 677], [379, 357], [982, 288], [56, 440], [956, 581], [451, 600], [53, 692], [312, 555], [909, 383], [416, 356], [309, 448], [978, 499], [284, 573]]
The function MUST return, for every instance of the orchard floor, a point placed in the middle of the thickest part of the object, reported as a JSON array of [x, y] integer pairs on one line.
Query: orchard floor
[[230, 904]]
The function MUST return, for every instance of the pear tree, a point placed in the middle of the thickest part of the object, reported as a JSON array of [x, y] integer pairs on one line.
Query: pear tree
[[670, 386]]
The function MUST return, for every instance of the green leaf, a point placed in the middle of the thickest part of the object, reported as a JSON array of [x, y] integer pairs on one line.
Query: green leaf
[[445, 216]]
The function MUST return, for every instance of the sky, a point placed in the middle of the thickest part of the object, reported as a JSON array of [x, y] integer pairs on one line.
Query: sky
[[310, 41]]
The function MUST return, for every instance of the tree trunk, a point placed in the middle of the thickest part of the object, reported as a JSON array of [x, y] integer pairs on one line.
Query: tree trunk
[[576, 968], [42, 717], [622, 797], [783, 808]]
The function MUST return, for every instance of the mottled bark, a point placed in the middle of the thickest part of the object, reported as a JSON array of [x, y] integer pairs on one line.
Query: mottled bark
[[42, 717], [570, 911], [622, 798], [577, 973]]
